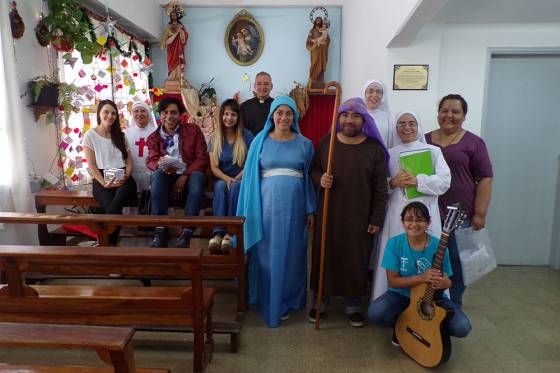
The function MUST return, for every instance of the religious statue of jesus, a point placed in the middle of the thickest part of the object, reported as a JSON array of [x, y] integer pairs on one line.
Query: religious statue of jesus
[[174, 40], [318, 46]]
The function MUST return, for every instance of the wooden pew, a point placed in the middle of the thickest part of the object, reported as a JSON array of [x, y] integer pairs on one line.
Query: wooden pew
[[113, 345], [228, 266], [144, 308]]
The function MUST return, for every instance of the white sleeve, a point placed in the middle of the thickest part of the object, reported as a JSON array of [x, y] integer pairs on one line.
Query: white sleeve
[[438, 183], [88, 140]]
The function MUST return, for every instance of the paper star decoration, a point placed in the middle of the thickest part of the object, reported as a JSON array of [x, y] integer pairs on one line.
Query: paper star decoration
[[107, 30]]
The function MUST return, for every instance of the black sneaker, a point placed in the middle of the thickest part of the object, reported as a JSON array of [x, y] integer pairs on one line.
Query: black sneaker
[[185, 239], [312, 315], [160, 238], [356, 319], [394, 340]]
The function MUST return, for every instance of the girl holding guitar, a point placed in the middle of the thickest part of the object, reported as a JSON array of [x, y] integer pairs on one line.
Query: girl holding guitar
[[408, 260]]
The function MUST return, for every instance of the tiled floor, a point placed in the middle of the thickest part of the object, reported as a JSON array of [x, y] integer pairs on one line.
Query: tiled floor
[[515, 312]]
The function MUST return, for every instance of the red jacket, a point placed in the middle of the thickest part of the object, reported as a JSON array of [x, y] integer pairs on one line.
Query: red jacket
[[192, 148]]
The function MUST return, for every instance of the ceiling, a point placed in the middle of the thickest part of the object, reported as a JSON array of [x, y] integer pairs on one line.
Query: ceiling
[[487, 11]]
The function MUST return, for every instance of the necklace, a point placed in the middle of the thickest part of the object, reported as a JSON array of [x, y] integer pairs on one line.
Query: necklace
[[417, 258], [452, 139]]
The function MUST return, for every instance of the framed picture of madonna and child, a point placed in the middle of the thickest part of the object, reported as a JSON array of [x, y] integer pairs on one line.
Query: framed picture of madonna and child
[[244, 39]]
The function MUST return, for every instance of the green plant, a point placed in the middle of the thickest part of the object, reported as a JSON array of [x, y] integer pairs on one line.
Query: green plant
[[67, 26], [65, 92]]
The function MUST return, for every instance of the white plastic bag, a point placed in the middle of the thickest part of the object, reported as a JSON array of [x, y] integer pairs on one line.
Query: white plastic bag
[[475, 251]]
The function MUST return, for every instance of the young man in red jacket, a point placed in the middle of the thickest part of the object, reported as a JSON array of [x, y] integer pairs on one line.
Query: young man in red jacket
[[178, 156]]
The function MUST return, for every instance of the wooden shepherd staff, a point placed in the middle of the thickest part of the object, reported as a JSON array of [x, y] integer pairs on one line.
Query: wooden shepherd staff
[[326, 199]]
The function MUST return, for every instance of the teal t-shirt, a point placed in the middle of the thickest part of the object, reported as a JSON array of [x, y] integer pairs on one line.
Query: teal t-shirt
[[400, 257]]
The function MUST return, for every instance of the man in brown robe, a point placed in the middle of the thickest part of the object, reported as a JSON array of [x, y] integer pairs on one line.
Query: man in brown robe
[[356, 208]]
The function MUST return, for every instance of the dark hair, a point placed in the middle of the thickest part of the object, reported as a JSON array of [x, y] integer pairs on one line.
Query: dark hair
[[418, 208], [163, 104], [454, 96], [117, 135], [234, 106]]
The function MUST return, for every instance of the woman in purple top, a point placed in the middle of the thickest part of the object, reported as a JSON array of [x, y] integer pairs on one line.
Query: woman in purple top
[[471, 175]]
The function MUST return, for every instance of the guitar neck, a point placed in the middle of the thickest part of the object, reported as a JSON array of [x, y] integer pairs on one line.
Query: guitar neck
[[437, 263]]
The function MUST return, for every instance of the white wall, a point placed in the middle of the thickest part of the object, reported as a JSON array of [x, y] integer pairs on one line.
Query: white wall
[[464, 58]]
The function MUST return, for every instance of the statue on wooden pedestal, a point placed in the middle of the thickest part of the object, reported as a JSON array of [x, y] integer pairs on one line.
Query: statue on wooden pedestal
[[174, 40], [318, 46]]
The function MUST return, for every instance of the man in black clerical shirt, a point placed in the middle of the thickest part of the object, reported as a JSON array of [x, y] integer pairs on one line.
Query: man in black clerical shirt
[[255, 110]]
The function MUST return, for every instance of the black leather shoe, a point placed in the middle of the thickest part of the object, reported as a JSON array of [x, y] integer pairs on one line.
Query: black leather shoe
[[185, 239], [161, 237]]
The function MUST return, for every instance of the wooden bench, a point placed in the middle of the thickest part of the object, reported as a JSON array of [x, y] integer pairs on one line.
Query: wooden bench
[[113, 345], [228, 266], [84, 198], [144, 308]]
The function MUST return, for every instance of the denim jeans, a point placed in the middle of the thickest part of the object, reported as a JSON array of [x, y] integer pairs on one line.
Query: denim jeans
[[162, 184], [224, 201], [385, 310], [457, 285]]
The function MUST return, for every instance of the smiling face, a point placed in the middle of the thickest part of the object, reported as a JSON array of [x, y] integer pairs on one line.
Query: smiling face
[[140, 115], [351, 123], [107, 116], [407, 128], [229, 118], [283, 118], [373, 96], [170, 117], [415, 223], [451, 115], [263, 86]]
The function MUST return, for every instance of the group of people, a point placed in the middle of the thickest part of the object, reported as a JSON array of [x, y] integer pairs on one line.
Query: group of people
[[266, 171]]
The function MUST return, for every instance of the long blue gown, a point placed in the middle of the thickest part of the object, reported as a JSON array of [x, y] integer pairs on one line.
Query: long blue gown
[[278, 266]]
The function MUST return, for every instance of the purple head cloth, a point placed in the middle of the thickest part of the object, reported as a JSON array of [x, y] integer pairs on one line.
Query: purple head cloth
[[369, 128]]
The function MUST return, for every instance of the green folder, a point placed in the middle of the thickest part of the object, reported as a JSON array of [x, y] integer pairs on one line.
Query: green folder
[[416, 162]]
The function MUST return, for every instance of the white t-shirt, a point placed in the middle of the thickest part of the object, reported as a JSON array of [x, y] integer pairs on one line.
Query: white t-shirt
[[136, 139], [107, 155]]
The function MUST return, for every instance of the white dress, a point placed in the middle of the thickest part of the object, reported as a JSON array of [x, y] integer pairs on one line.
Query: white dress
[[383, 123], [433, 186]]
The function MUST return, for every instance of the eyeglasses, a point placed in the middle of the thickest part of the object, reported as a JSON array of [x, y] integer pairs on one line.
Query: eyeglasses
[[406, 124], [413, 220]]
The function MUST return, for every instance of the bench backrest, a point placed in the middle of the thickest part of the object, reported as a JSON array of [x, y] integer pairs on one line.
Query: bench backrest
[[16, 296]]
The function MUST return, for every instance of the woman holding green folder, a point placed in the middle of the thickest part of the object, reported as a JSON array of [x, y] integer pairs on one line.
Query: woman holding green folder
[[417, 172]]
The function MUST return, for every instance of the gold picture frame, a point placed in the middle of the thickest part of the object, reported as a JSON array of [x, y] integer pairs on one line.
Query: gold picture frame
[[244, 39]]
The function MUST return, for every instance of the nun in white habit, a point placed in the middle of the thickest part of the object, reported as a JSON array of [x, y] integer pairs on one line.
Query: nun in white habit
[[409, 137], [142, 124], [376, 100]]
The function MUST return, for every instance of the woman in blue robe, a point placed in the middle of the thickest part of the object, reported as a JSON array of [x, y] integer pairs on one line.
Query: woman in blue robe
[[277, 200]]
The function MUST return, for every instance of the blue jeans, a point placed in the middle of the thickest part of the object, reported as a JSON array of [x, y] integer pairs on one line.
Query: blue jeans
[[224, 201], [161, 186], [457, 285], [385, 310]]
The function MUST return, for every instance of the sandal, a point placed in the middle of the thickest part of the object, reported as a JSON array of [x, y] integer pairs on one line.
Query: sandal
[[227, 244], [215, 244]]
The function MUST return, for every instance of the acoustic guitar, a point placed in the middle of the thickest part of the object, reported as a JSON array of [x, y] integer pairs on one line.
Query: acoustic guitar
[[421, 329]]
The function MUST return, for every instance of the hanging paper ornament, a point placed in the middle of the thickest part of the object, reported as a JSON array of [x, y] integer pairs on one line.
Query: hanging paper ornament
[[102, 74], [124, 64], [75, 178], [110, 70], [101, 40], [71, 61], [107, 28], [135, 58], [93, 77], [81, 73], [134, 74], [79, 162], [147, 69], [98, 88], [82, 90], [132, 91], [16, 23], [76, 130], [126, 83], [117, 79], [67, 130], [120, 105]]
